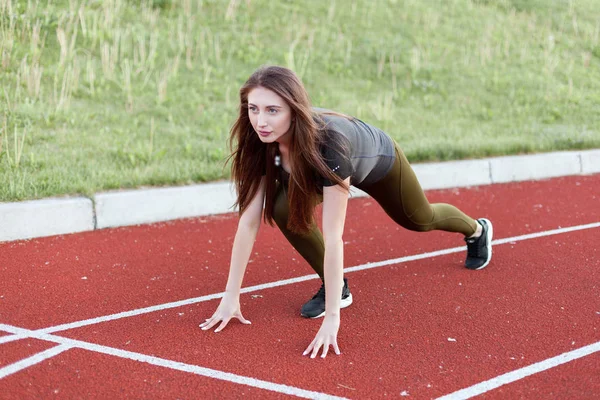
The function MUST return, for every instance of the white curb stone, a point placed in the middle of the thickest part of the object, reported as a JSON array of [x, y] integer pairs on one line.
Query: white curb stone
[[60, 216], [37, 218], [535, 166], [355, 192], [590, 162], [453, 174], [446, 175], [154, 205]]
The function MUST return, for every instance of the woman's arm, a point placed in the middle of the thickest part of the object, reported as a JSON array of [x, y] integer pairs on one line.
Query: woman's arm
[[244, 240], [335, 202], [242, 247]]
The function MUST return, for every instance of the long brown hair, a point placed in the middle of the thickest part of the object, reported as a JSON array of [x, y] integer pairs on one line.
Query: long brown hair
[[252, 158]]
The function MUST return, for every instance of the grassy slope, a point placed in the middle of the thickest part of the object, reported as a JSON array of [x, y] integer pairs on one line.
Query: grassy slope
[[133, 95]]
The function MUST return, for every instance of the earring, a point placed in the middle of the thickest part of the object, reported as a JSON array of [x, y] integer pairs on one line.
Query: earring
[[277, 160]]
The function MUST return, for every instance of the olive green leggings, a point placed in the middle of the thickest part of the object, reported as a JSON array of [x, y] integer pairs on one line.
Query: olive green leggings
[[399, 194]]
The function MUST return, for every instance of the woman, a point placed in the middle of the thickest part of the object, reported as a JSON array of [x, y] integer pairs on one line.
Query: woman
[[290, 157]]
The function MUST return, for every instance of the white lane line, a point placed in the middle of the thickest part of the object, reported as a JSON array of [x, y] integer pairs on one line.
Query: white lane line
[[159, 307], [547, 233], [11, 338], [35, 359], [175, 365], [174, 304], [462, 248], [521, 373]]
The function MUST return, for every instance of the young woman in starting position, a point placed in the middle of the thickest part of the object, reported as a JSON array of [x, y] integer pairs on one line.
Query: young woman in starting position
[[289, 157]]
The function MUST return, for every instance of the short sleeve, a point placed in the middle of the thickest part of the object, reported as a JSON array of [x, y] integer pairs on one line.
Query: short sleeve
[[338, 159]]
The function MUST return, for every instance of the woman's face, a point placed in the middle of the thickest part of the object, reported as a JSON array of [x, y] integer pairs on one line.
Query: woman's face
[[269, 114]]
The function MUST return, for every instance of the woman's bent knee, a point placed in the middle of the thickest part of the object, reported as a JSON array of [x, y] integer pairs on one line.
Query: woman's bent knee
[[422, 220], [420, 228]]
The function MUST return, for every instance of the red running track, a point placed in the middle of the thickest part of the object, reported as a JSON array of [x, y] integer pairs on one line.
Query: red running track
[[422, 328]]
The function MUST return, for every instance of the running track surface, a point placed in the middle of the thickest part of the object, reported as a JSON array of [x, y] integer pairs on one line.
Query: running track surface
[[420, 327]]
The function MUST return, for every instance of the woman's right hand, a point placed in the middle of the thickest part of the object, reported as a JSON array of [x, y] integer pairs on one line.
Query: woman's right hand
[[228, 308]]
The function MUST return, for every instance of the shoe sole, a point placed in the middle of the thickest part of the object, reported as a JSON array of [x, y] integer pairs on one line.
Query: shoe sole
[[343, 304], [490, 235]]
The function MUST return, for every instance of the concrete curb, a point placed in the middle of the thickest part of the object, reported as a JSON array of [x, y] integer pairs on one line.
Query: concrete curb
[[24, 220], [29, 219], [590, 162], [162, 204], [537, 166]]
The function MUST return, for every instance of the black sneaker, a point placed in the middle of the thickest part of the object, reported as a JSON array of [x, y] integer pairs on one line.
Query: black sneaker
[[479, 250], [315, 307]]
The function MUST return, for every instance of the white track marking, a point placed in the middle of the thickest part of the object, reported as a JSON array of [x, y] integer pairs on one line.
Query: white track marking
[[174, 304], [547, 233], [66, 343], [11, 338], [462, 248], [285, 282], [521, 373], [29, 361]]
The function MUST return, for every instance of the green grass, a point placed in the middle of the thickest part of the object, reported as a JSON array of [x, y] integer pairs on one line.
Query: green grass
[[100, 95]]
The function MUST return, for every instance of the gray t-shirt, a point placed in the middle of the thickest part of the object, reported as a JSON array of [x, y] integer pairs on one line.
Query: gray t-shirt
[[369, 154]]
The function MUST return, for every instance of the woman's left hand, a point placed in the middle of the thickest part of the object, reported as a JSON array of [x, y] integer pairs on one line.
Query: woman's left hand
[[327, 336]]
